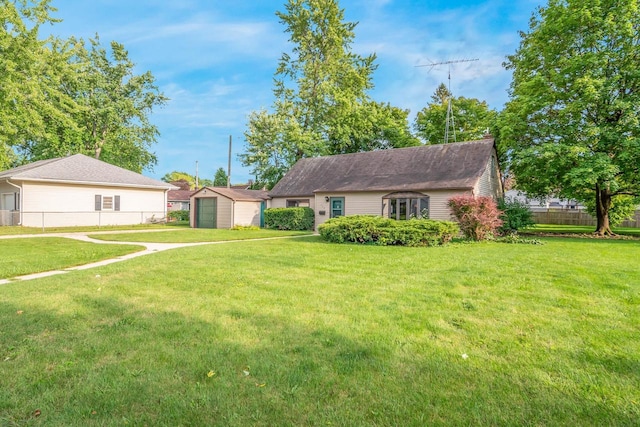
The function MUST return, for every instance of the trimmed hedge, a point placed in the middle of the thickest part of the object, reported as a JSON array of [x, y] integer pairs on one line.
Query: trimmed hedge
[[289, 218], [376, 230]]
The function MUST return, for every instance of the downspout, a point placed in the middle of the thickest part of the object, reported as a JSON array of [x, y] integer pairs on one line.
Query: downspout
[[166, 198], [20, 192], [233, 210]]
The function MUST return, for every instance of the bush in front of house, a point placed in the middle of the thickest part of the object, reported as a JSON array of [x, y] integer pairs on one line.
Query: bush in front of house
[[479, 217], [181, 215], [515, 216], [289, 218], [376, 230]]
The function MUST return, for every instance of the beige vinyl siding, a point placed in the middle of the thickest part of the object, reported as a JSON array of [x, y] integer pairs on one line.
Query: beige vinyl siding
[[224, 210], [60, 205], [278, 202], [489, 183], [247, 213], [366, 203], [438, 200], [281, 202], [370, 203]]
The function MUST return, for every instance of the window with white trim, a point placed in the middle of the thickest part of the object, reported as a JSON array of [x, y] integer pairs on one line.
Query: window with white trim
[[406, 206]]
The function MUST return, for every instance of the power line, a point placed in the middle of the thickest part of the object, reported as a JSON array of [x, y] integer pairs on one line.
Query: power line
[[450, 121]]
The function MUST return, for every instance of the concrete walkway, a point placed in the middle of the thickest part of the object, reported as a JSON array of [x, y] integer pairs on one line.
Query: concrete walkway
[[83, 236]]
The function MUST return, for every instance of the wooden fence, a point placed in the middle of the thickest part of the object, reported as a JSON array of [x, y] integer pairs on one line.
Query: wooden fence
[[577, 217]]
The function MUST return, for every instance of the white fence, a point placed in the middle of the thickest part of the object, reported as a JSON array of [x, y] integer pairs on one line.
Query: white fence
[[74, 219]]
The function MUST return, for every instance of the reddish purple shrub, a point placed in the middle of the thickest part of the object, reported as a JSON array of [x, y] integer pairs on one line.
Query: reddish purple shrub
[[479, 217]]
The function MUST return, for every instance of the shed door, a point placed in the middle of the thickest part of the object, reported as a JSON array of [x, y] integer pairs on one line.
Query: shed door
[[206, 212]]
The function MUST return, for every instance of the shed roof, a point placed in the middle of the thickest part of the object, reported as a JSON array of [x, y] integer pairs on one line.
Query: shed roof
[[429, 167], [238, 195], [81, 169]]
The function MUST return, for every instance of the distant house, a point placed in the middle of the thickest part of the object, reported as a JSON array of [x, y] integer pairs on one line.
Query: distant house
[[179, 200], [222, 207], [550, 202], [397, 183], [79, 190]]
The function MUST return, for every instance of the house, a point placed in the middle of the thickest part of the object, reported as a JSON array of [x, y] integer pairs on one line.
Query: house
[[179, 200], [222, 207], [543, 204], [398, 183], [78, 191]]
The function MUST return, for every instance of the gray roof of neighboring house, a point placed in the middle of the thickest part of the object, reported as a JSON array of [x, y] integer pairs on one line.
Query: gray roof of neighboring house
[[179, 195], [81, 169], [429, 167], [237, 195]]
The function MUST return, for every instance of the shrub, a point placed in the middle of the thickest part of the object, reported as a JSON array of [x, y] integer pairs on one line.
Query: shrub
[[182, 215], [289, 218], [479, 217], [516, 215], [376, 230]]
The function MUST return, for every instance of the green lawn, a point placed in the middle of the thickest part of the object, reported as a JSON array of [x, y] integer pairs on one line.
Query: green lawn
[[13, 230], [299, 332], [36, 254], [192, 235], [577, 229]]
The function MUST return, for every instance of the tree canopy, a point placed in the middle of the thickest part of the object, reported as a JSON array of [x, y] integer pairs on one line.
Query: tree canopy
[[321, 103], [571, 127], [60, 97], [220, 178], [472, 117]]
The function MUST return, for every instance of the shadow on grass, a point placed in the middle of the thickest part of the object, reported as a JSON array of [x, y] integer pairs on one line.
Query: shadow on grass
[[105, 361]]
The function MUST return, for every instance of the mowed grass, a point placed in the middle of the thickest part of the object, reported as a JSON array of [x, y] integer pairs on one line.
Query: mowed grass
[[28, 255], [300, 332], [577, 229], [192, 235], [17, 230]]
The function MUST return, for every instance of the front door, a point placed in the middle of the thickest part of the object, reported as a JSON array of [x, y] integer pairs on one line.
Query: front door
[[337, 206], [206, 212]]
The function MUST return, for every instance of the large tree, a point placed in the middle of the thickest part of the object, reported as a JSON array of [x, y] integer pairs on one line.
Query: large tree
[[31, 93], [471, 118], [59, 97], [572, 125], [321, 106]]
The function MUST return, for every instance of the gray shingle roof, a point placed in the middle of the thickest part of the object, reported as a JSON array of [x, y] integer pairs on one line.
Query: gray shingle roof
[[81, 169], [430, 167]]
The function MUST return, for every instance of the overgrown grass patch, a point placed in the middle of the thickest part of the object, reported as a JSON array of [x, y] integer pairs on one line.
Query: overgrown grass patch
[[302, 332], [192, 235], [21, 256]]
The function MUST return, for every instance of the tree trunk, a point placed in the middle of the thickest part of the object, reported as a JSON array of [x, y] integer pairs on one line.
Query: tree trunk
[[603, 204]]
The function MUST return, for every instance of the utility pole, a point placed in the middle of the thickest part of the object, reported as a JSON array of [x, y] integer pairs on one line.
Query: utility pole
[[196, 174], [229, 165], [450, 125]]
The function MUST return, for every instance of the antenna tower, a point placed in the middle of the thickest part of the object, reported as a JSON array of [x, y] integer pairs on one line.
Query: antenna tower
[[450, 125]]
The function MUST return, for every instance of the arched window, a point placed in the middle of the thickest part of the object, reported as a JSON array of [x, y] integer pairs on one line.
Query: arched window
[[405, 205]]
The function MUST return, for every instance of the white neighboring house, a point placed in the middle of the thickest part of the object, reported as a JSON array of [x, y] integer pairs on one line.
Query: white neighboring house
[[78, 191], [543, 205]]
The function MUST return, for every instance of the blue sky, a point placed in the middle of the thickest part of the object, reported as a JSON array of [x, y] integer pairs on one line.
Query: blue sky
[[215, 59]]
